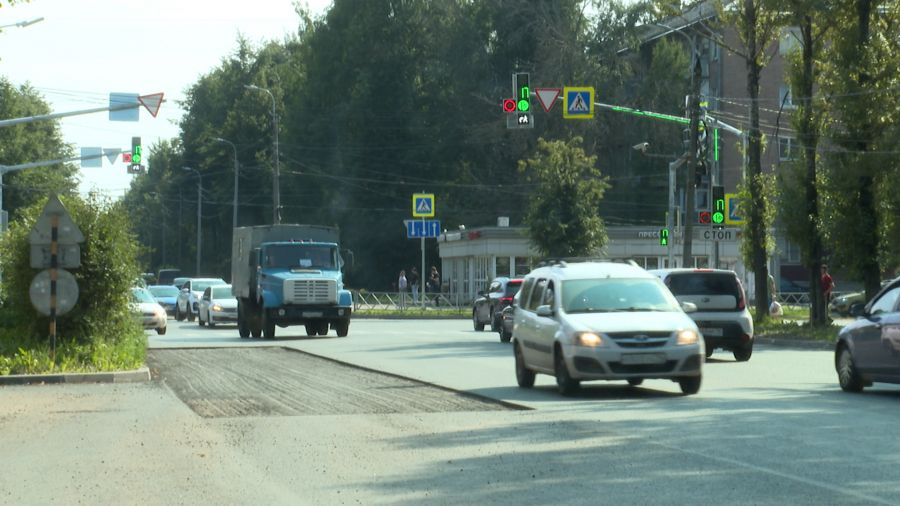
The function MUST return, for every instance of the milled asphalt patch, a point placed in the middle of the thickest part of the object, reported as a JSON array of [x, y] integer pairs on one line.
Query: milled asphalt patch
[[139, 375]]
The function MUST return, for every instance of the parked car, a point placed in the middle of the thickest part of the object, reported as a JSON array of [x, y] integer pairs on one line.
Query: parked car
[[868, 350], [603, 321], [722, 314], [188, 300], [150, 313], [167, 276], [488, 305], [217, 305], [842, 304], [165, 295]]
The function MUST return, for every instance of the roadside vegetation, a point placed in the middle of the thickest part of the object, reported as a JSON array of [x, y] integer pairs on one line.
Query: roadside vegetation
[[100, 333]]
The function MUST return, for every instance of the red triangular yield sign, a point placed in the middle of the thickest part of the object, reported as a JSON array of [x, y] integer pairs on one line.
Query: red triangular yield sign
[[547, 97], [151, 102]]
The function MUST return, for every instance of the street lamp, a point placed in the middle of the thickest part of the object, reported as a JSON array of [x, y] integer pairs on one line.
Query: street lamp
[[236, 169], [199, 213], [673, 167], [275, 184], [23, 24]]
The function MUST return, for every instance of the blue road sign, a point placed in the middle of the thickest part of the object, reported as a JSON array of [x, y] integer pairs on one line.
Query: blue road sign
[[418, 229], [423, 205], [579, 102], [734, 216]]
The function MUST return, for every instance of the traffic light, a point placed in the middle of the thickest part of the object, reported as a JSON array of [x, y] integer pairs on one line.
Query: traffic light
[[663, 237], [718, 206], [522, 89], [704, 218], [136, 157]]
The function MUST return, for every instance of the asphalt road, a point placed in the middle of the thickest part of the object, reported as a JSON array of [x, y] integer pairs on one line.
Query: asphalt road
[[774, 430]]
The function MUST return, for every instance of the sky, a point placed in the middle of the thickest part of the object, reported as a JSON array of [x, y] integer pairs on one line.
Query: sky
[[84, 50]]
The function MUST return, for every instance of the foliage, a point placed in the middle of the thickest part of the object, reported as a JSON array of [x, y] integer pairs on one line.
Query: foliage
[[562, 214], [794, 330], [31, 142], [100, 333]]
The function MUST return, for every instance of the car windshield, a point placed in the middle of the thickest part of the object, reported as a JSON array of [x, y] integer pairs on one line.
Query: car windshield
[[164, 291], [141, 295], [307, 256], [199, 286], [512, 288], [616, 294], [222, 292]]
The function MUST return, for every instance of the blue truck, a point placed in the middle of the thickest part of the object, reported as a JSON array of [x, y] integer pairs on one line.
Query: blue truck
[[289, 275]]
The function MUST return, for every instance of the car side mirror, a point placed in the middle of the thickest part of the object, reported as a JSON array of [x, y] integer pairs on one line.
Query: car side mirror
[[857, 310], [546, 311], [689, 307]]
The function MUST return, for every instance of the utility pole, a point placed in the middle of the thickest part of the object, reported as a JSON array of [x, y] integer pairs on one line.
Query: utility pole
[[687, 259]]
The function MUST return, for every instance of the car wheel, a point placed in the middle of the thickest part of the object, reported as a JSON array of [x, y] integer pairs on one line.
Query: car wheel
[[524, 375], [495, 321], [190, 312], [268, 325], [475, 323], [342, 327], [635, 382], [848, 376], [209, 320], [200, 320], [690, 385], [504, 335], [743, 354], [161, 331], [178, 316], [564, 382], [709, 351]]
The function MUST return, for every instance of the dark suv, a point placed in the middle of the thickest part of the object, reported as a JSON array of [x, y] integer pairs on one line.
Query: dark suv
[[489, 304], [722, 314]]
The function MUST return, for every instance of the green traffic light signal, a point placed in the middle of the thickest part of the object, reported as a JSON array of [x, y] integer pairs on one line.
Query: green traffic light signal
[[136, 150], [663, 237], [523, 91]]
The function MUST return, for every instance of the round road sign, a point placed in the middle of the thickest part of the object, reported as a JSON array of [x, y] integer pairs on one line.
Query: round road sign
[[66, 292]]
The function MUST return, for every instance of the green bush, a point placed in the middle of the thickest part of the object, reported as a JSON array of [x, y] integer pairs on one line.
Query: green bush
[[100, 333]]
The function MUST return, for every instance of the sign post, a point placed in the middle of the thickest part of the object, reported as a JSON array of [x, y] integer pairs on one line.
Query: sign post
[[423, 207], [54, 291]]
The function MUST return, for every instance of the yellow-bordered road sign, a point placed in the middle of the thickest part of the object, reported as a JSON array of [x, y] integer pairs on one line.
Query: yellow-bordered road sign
[[735, 215], [579, 102], [423, 205]]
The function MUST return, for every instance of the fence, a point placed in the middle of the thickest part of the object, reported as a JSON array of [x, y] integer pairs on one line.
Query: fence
[[368, 301]]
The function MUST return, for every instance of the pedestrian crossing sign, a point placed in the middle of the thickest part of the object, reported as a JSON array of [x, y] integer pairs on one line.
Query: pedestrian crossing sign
[[579, 102], [423, 205], [735, 215]]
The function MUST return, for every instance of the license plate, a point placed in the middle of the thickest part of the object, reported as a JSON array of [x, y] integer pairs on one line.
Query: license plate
[[711, 332], [643, 358], [312, 314]]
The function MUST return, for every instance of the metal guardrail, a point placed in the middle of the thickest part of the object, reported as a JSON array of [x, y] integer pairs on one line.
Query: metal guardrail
[[367, 301], [794, 298]]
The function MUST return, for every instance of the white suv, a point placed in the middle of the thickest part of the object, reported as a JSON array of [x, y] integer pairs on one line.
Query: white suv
[[603, 321], [722, 314]]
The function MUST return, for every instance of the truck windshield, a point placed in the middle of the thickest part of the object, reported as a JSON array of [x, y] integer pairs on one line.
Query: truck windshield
[[307, 256]]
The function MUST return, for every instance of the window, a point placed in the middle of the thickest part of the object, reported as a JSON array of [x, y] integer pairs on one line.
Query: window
[[785, 98], [503, 266], [537, 295], [523, 266], [526, 292], [786, 148], [887, 301]]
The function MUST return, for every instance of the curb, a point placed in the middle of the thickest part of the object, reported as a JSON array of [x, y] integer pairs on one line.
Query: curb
[[137, 376], [795, 343]]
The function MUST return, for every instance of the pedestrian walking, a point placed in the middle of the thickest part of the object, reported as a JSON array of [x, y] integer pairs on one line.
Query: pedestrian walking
[[827, 286], [434, 284], [414, 284], [401, 288]]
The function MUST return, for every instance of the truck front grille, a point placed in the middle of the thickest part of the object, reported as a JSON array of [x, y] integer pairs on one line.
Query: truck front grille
[[310, 291]]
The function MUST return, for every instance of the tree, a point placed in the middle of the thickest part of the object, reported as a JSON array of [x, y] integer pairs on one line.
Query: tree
[[31, 142], [859, 81], [562, 215]]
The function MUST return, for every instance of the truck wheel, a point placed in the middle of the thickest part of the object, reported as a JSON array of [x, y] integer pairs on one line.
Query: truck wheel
[[323, 328], [243, 328], [268, 325], [342, 327], [310, 329]]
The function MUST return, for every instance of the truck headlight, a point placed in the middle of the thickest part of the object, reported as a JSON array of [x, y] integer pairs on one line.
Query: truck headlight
[[589, 339], [687, 337]]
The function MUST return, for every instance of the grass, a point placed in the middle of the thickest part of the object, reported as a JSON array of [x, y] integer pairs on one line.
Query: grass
[[414, 312], [796, 329]]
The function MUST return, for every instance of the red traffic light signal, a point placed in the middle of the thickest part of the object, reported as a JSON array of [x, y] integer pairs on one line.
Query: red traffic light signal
[[509, 105], [704, 218]]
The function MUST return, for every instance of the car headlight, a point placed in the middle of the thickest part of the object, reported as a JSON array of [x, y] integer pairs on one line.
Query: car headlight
[[687, 337], [216, 307], [161, 313], [588, 339]]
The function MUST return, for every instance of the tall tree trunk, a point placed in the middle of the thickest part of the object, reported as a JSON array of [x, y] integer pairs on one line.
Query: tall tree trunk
[[757, 212]]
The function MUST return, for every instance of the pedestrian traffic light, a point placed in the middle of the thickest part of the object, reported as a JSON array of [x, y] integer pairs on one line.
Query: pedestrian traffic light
[[718, 206], [522, 89], [136, 157], [663, 237]]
